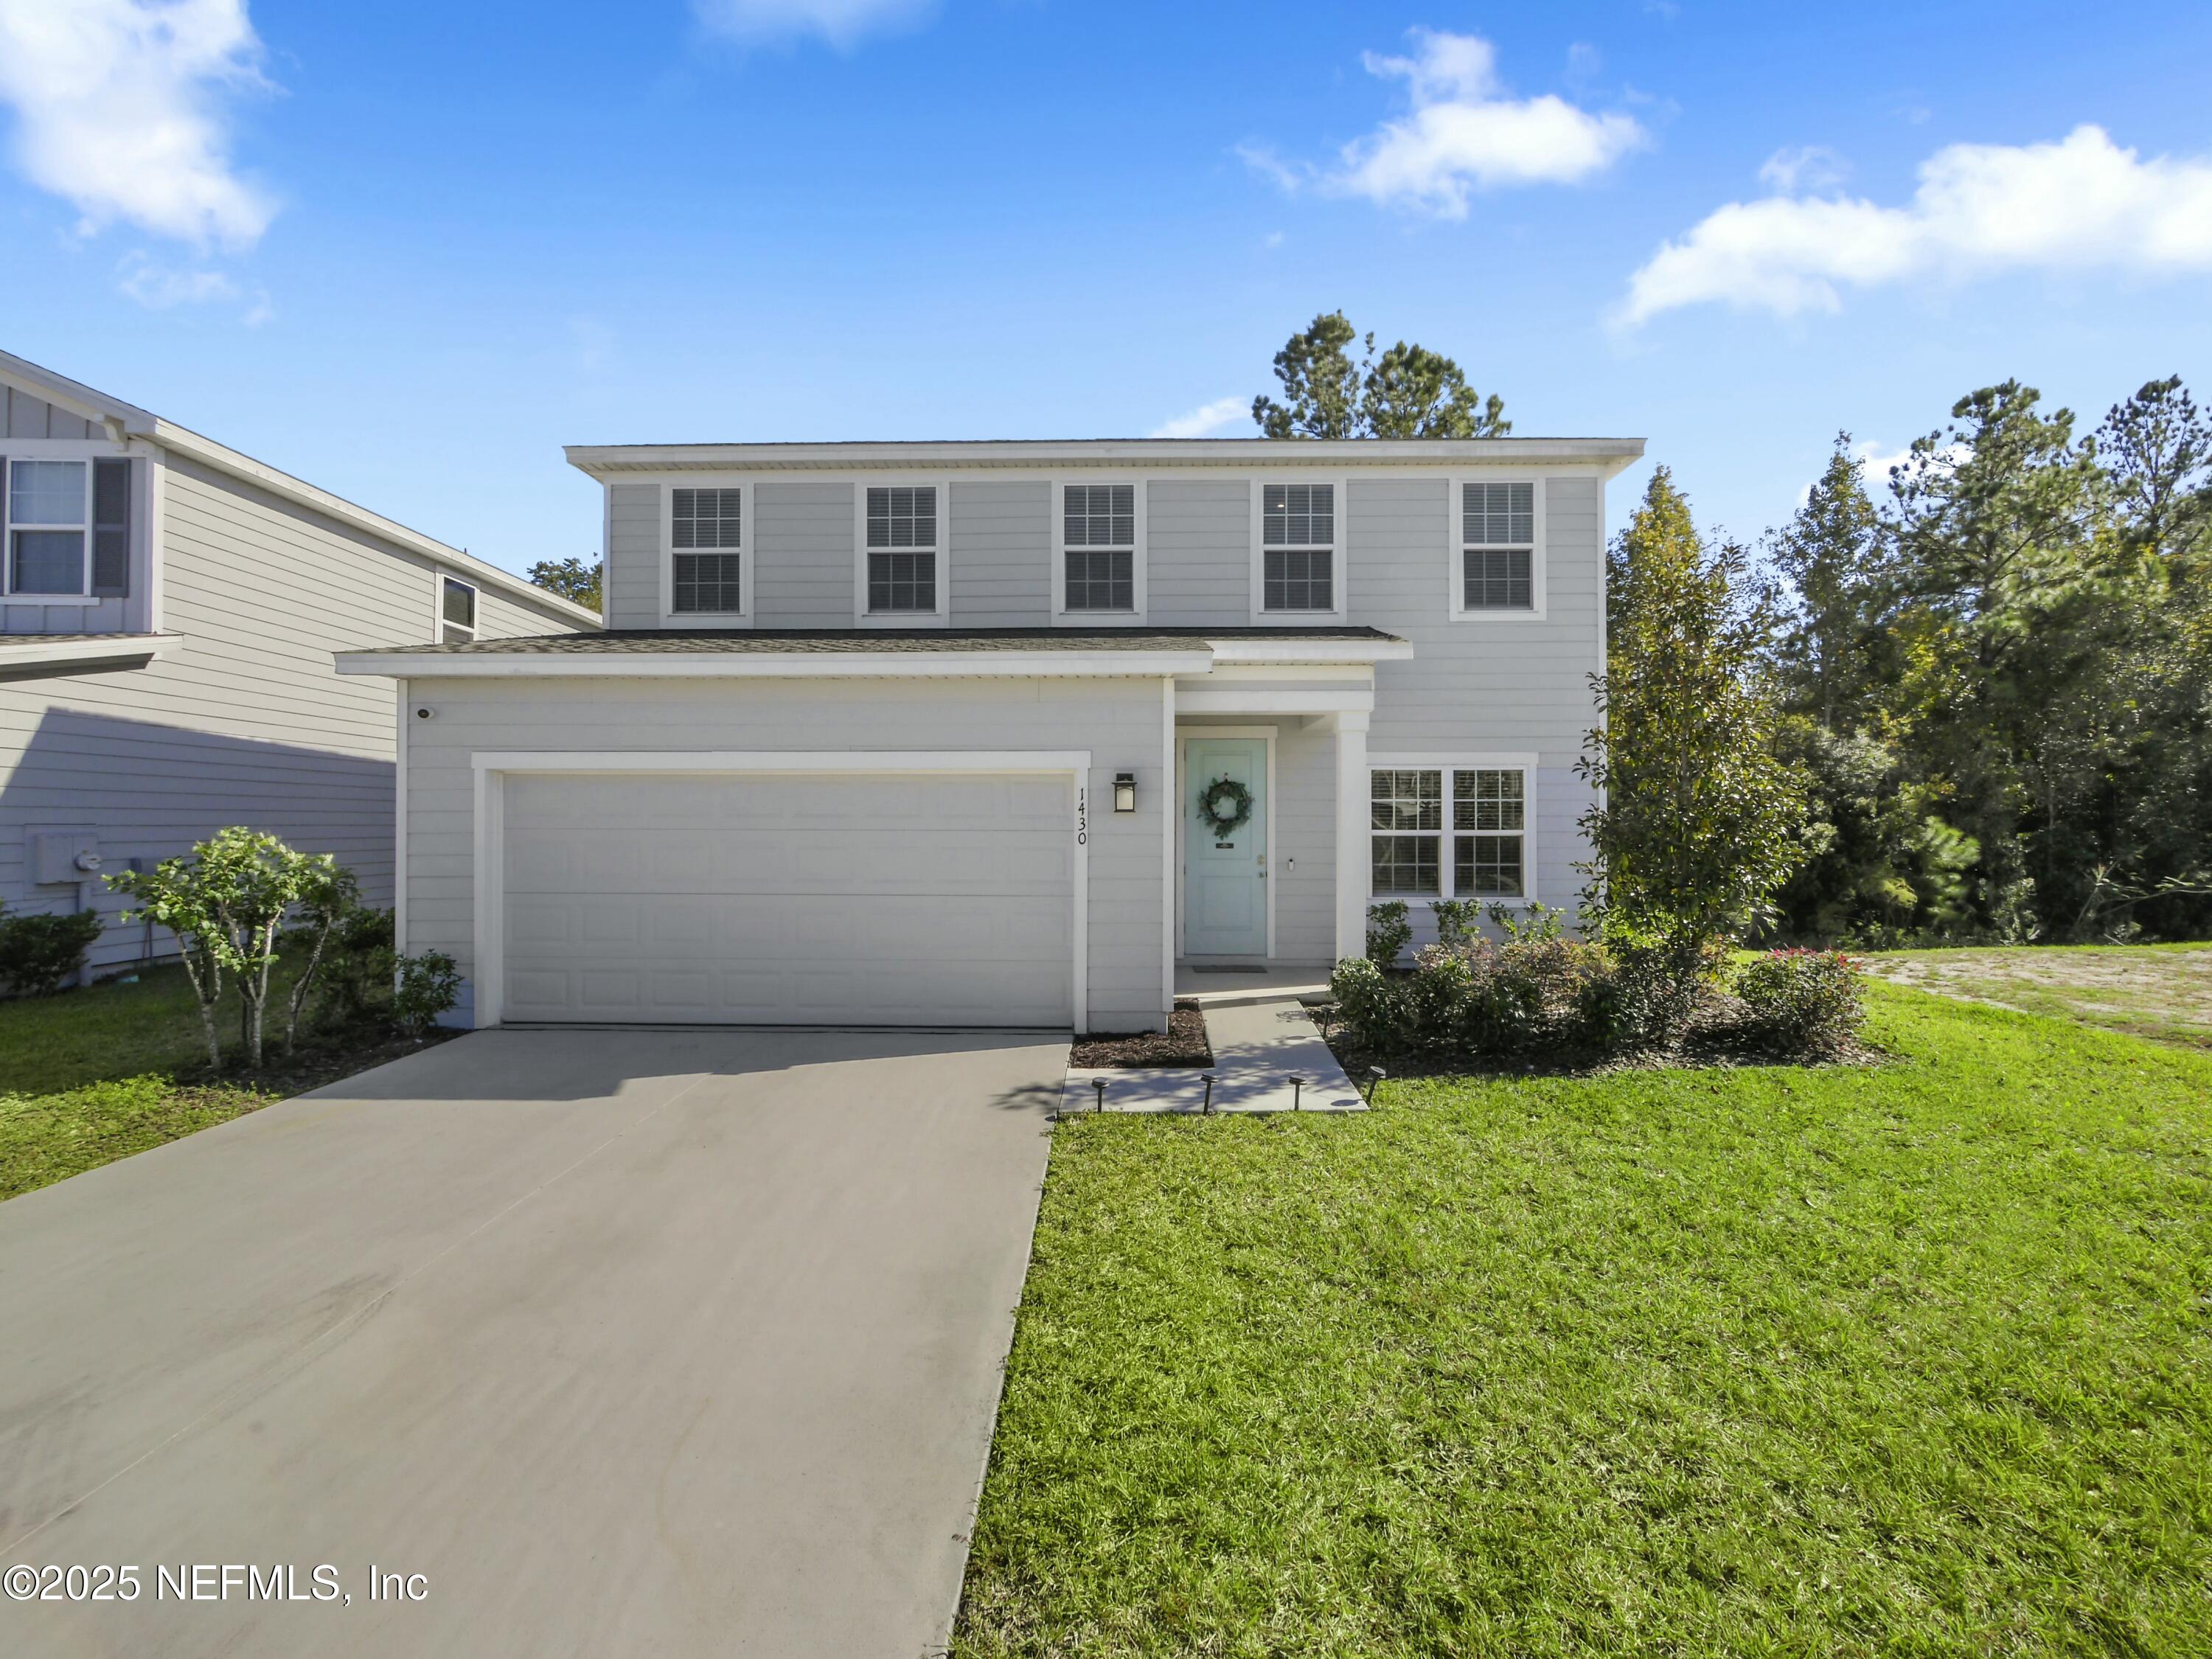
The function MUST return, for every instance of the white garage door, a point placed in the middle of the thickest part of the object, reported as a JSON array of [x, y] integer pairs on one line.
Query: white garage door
[[789, 900]]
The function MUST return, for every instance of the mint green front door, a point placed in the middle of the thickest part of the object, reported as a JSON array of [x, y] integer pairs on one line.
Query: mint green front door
[[1224, 882]]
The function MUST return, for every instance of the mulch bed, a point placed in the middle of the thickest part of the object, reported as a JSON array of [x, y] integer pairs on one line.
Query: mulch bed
[[1183, 1043], [327, 1060]]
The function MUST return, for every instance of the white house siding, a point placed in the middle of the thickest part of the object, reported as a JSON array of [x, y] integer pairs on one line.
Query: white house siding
[[1118, 720], [247, 722], [633, 572], [1001, 555], [803, 547]]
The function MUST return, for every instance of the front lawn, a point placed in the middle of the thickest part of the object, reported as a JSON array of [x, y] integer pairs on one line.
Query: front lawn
[[90, 1076], [2161, 991], [1902, 1360]]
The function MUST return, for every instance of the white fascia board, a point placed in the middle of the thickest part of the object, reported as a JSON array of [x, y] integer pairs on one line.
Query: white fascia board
[[1313, 651], [1609, 455], [1206, 698], [22, 651], [725, 664]]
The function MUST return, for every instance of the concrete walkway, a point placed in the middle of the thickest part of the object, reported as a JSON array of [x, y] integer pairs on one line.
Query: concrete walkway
[[675, 1342], [1259, 1047]]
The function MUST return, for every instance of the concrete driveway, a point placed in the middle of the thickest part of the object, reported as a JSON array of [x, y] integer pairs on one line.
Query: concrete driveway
[[627, 1342]]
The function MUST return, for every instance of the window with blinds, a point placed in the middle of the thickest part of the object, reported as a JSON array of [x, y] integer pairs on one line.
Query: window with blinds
[[1497, 550], [1487, 834], [701, 582], [903, 548], [457, 612], [1298, 547], [1098, 528]]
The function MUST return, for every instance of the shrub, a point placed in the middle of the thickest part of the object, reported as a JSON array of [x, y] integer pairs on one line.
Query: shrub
[[1389, 932], [357, 981], [38, 953], [1476, 999], [428, 984], [1371, 1003], [1805, 1001], [1457, 920]]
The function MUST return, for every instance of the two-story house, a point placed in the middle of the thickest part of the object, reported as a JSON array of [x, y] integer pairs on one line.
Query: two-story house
[[1005, 733], [168, 609]]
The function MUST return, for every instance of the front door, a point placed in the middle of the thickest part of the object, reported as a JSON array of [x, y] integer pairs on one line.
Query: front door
[[1225, 869]]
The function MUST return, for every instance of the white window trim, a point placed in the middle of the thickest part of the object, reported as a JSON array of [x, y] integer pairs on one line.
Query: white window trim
[[1061, 616], [1455, 550], [84, 595], [1339, 559], [746, 549], [440, 577], [1448, 864], [492, 770], [940, 617]]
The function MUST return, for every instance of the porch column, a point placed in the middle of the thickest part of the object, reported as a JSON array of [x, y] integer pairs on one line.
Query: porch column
[[1352, 855]]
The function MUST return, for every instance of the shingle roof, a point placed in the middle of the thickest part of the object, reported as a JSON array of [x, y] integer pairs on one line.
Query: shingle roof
[[830, 641]]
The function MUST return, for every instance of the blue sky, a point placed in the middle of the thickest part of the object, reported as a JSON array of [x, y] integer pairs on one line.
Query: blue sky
[[407, 251]]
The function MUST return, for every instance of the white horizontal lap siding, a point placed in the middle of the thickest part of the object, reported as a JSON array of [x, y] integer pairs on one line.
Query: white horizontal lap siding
[[802, 537], [1000, 578], [632, 580], [1118, 721], [499, 617], [1199, 547]]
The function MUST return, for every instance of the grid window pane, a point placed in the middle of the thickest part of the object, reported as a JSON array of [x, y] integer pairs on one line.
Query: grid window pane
[[901, 581], [1295, 579], [705, 518], [1407, 800], [1101, 579], [1499, 513], [1488, 800], [1298, 515], [1406, 864], [903, 515], [46, 493], [1100, 515], [48, 561], [459, 606], [708, 581], [1498, 579], [1486, 866]]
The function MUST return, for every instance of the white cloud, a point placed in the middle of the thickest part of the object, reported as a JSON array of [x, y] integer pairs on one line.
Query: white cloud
[[119, 109], [1206, 419], [1806, 166], [2083, 203], [159, 287], [1464, 134], [842, 23]]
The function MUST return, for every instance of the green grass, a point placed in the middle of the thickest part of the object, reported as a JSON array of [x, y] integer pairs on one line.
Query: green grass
[[93, 1075], [1901, 1360], [2159, 991]]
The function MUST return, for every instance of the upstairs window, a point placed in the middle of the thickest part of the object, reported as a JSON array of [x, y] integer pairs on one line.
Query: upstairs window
[[903, 548], [1297, 542], [457, 612], [701, 581], [1488, 833], [1497, 547], [50, 534], [1099, 528]]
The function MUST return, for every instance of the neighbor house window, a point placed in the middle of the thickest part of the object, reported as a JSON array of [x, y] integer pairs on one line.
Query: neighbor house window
[[457, 612], [1297, 542], [903, 548], [1497, 546], [702, 580], [111, 530], [1486, 857], [1098, 523], [1488, 810], [49, 513]]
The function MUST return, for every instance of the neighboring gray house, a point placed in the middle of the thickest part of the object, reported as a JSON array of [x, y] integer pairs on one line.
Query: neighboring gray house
[[168, 609], [920, 733]]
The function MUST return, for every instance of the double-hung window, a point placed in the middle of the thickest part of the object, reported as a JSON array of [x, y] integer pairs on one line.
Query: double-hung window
[[1298, 547], [706, 570], [1499, 571], [69, 529], [1098, 541], [903, 548], [457, 611], [1481, 853]]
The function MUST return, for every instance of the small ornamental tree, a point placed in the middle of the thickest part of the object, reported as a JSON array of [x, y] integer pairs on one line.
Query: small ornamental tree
[[1696, 822], [328, 894]]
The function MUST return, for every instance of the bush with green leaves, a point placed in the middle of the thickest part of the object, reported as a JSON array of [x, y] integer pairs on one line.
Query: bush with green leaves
[[362, 968], [1803, 1001], [1478, 999], [1389, 932], [428, 985], [38, 953]]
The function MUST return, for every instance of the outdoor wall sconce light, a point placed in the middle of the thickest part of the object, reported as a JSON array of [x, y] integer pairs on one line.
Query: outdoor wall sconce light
[[1125, 792]]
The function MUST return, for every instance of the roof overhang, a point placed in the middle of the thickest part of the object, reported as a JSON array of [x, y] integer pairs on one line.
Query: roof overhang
[[1607, 455], [33, 656]]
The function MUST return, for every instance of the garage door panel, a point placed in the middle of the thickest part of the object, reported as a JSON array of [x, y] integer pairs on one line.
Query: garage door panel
[[789, 899]]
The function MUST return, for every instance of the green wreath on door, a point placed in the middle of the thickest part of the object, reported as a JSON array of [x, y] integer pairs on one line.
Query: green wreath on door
[[1226, 805]]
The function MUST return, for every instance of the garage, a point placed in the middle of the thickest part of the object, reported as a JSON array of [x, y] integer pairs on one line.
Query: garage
[[774, 898]]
